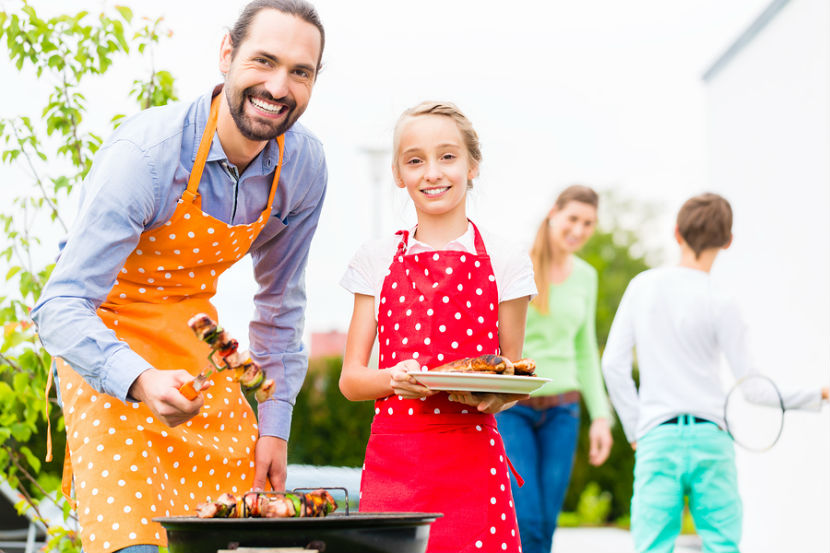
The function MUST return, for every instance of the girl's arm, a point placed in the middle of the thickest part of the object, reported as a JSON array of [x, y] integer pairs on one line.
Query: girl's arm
[[358, 381]]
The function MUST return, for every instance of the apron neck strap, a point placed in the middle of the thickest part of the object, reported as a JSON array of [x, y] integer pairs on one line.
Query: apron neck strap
[[403, 244], [191, 193], [204, 149], [479, 243]]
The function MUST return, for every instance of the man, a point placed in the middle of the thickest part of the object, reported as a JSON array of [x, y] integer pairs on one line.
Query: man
[[175, 197]]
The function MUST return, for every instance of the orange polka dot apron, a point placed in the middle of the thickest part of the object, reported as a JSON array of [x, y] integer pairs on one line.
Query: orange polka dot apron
[[433, 455], [128, 466]]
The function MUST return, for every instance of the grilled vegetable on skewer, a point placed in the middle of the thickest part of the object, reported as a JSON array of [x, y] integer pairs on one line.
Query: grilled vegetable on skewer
[[223, 507], [317, 503], [245, 370]]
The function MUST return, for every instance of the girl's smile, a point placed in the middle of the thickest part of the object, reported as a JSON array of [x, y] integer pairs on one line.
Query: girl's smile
[[433, 165]]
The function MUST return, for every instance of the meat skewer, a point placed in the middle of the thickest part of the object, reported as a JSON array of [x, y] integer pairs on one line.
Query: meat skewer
[[317, 503], [246, 371]]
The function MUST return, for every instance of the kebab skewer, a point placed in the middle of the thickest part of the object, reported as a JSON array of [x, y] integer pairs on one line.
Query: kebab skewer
[[246, 371], [317, 503]]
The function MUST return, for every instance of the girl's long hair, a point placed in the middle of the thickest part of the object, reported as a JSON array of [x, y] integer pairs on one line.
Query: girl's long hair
[[541, 254]]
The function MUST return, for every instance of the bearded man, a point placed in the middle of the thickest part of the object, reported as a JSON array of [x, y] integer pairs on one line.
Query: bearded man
[[176, 196]]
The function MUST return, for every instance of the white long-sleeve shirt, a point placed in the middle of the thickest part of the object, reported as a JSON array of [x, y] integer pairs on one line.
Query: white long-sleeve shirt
[[680, 325]]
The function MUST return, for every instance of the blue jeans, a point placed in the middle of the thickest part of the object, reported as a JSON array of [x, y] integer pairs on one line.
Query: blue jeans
[[541, 445]]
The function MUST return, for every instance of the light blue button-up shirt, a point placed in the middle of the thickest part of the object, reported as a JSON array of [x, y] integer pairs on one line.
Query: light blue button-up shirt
[[133, 186]]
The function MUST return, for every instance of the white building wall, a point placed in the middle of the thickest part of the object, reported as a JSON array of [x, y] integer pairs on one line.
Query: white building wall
[[769, 136]]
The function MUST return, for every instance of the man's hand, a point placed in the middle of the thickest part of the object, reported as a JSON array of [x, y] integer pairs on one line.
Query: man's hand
[[159, 391], [271, 459], [601, 441], [404, 385], [487, 402]]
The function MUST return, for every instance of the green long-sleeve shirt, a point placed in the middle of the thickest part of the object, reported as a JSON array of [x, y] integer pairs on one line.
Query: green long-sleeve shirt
[[564, 342]]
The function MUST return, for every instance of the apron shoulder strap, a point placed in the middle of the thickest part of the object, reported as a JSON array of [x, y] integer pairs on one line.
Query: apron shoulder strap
[[402, 245], [480, 249], [192, 193]]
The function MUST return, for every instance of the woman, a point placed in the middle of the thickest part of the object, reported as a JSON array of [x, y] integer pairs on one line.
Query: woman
[[540, 433]]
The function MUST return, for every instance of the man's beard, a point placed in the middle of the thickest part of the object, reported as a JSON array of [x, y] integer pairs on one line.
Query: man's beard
[[259, 129]]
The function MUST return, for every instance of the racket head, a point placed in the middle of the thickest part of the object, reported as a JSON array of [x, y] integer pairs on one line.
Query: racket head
[[754, 413]]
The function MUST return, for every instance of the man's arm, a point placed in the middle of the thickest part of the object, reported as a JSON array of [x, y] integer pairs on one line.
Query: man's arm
[[277, 328], [118, 200]]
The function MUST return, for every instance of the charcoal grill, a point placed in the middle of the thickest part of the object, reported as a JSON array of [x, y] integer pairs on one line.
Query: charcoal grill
[[345, 532]]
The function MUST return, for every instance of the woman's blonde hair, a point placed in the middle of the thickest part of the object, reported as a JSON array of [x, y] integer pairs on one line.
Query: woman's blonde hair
[[444, 109], [541, 254]]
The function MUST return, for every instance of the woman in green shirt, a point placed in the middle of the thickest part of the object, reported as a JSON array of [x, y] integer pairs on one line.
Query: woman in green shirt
[[540, 433]]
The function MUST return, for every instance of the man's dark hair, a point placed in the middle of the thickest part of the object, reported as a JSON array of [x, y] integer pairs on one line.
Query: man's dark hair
[[297, 8], [705, 221]]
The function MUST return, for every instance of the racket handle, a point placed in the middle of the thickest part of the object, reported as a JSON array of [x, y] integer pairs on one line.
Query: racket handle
[[191, 389]]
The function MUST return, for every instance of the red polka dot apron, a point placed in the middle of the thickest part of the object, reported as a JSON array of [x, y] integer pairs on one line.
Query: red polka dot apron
[[434, 455], [128, 466]]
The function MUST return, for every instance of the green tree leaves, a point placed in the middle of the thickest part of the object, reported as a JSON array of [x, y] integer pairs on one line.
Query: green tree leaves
[[54, 152]]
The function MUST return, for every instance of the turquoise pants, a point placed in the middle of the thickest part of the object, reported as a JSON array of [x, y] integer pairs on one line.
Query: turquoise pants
[[687, 459]]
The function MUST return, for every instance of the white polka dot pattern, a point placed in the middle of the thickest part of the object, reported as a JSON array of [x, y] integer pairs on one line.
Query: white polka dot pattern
[[128, 466], [440, 313]]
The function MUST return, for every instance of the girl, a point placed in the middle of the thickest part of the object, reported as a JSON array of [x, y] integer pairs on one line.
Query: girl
[[540, 433], [434, 294]]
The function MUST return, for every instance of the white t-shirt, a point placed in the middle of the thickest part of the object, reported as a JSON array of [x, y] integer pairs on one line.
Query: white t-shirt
[[680, 325], [511, 264]]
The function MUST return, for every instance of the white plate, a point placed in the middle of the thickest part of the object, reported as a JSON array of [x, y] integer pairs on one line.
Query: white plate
[[475, 382]]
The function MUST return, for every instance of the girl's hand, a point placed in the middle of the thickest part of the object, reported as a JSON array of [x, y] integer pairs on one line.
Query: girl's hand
[[404, 385], [487, 402], [601, 441]]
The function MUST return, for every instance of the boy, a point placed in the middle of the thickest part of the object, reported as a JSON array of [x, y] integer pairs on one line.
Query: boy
[[680, 325]]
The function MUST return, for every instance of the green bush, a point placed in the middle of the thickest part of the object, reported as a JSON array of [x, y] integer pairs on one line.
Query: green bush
[[327, 428], [610, 253]]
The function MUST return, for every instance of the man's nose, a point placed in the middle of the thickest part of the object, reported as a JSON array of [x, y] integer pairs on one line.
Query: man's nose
[[277, 83]]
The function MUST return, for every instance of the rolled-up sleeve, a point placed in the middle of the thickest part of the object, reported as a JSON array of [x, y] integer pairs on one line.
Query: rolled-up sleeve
[[279, 315], [120, 199]]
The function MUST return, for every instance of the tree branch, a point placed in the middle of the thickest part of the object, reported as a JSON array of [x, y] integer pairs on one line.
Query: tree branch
[[37, 178]]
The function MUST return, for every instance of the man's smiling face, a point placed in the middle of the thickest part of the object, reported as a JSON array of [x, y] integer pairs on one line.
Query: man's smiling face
[[270, 74]]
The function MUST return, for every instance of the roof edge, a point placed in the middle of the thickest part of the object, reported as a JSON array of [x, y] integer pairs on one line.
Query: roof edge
[[745, 38]]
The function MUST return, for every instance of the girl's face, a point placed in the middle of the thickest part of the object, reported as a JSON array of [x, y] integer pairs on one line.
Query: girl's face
[[572, 225], [433, 165]]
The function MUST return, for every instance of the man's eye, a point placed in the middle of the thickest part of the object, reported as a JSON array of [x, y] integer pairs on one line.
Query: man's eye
[[302, 73]]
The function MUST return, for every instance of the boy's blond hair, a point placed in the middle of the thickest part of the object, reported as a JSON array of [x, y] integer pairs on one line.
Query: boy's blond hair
[[704, 222]]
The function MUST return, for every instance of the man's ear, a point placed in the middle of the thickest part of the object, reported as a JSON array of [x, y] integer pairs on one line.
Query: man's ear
[[225, 54]]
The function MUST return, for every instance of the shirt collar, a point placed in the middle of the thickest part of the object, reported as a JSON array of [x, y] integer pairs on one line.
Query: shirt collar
[[268, 157], [464, 243]]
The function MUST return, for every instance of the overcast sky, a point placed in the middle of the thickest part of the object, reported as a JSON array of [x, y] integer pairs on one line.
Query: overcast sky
[[599, 92]]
